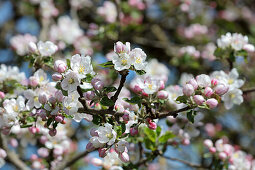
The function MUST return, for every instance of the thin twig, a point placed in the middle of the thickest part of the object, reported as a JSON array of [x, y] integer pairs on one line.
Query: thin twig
[[72, 161], [184, 162]]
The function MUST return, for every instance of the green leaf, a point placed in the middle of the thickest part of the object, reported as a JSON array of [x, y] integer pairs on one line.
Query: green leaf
[[26, 126], [30, 119], [123, 127], [48, 61], [140, 72], [67, 116], [149, 144], [109, 89], [151, 134], [97, 119], [49, 121], [88, 78], [134, 100], [158, 130], [232, 57], [182, 99], [190, 116], [107, 64], [164, 138], [219, 52], [68, 63], [105, 101], [58, 86]]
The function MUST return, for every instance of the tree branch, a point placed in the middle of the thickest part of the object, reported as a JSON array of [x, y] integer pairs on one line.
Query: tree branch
[[184, 162], [114, 98], [70, 162], [248, 90], [12, 157]]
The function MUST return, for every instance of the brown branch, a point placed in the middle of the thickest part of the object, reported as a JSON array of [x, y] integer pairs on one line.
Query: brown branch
[[184, 162], [12, 157], [70, 161], [114, 98], [248, 90]]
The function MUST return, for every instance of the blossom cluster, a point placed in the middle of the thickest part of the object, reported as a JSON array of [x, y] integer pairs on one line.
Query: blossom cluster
[[232, 156], [235, 41]]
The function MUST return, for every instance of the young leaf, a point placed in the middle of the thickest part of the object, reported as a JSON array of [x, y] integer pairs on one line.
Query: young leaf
[[190, 116], [164, 138], [151, 134], [97, 119], [140, 72], [106, 64], [68, 63], [158, 130], [109, 89], [106, 101], [182, 99], [134, 100]]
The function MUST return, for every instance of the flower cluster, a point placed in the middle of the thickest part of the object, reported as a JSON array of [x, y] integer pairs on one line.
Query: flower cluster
[[235, 41], [204, 91], [126, 57], [232, 156], [234, 95]]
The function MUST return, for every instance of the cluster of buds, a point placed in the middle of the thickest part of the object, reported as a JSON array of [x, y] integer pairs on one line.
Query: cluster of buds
[[204, 91]]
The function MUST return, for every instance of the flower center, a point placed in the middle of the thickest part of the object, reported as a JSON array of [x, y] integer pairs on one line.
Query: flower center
[[81, 69], [109, 135], [41, 78], [150, 86], [71, 81], [230, 81], [15, 108], [232, 96], [138, 60]]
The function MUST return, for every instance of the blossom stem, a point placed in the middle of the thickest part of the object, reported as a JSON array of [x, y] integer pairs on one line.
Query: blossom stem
[[114, 98]]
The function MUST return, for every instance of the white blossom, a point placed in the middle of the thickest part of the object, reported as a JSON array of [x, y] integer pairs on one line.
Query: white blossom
[[234, 96], [106, 134], [46, 48], [139, 57], [70, 82]]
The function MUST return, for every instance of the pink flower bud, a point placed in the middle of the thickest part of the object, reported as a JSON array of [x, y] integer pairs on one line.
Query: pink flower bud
[[2, 95], [97, 84], [145, 94], [32, 47], [199, 100], [42, 98], [93, 132], [152, 125], [60, 66], [162, 94], [52, 100], [161, 85], [43, 139], [43, 152], [249, 47], [89, 147], [124, 157], [188, 90], [53, 132], [32, 129], [89, 95], [33, 81], [58, 151], [133, 131], [222, 155], [5, 130], [119, 108], [125, 117], [33, 157], [59, 118], [212, 103], [137, 89], [221, 89], [208, 143], [2, 153], [214, 82], [118, 47], [212, 149], [59, 95], [102, 152], [208, 91], [14, 143], [193, 82], [186, 141], [57, 77]]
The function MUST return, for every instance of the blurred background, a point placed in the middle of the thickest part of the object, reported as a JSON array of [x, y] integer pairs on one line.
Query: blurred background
[[181, 34]]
